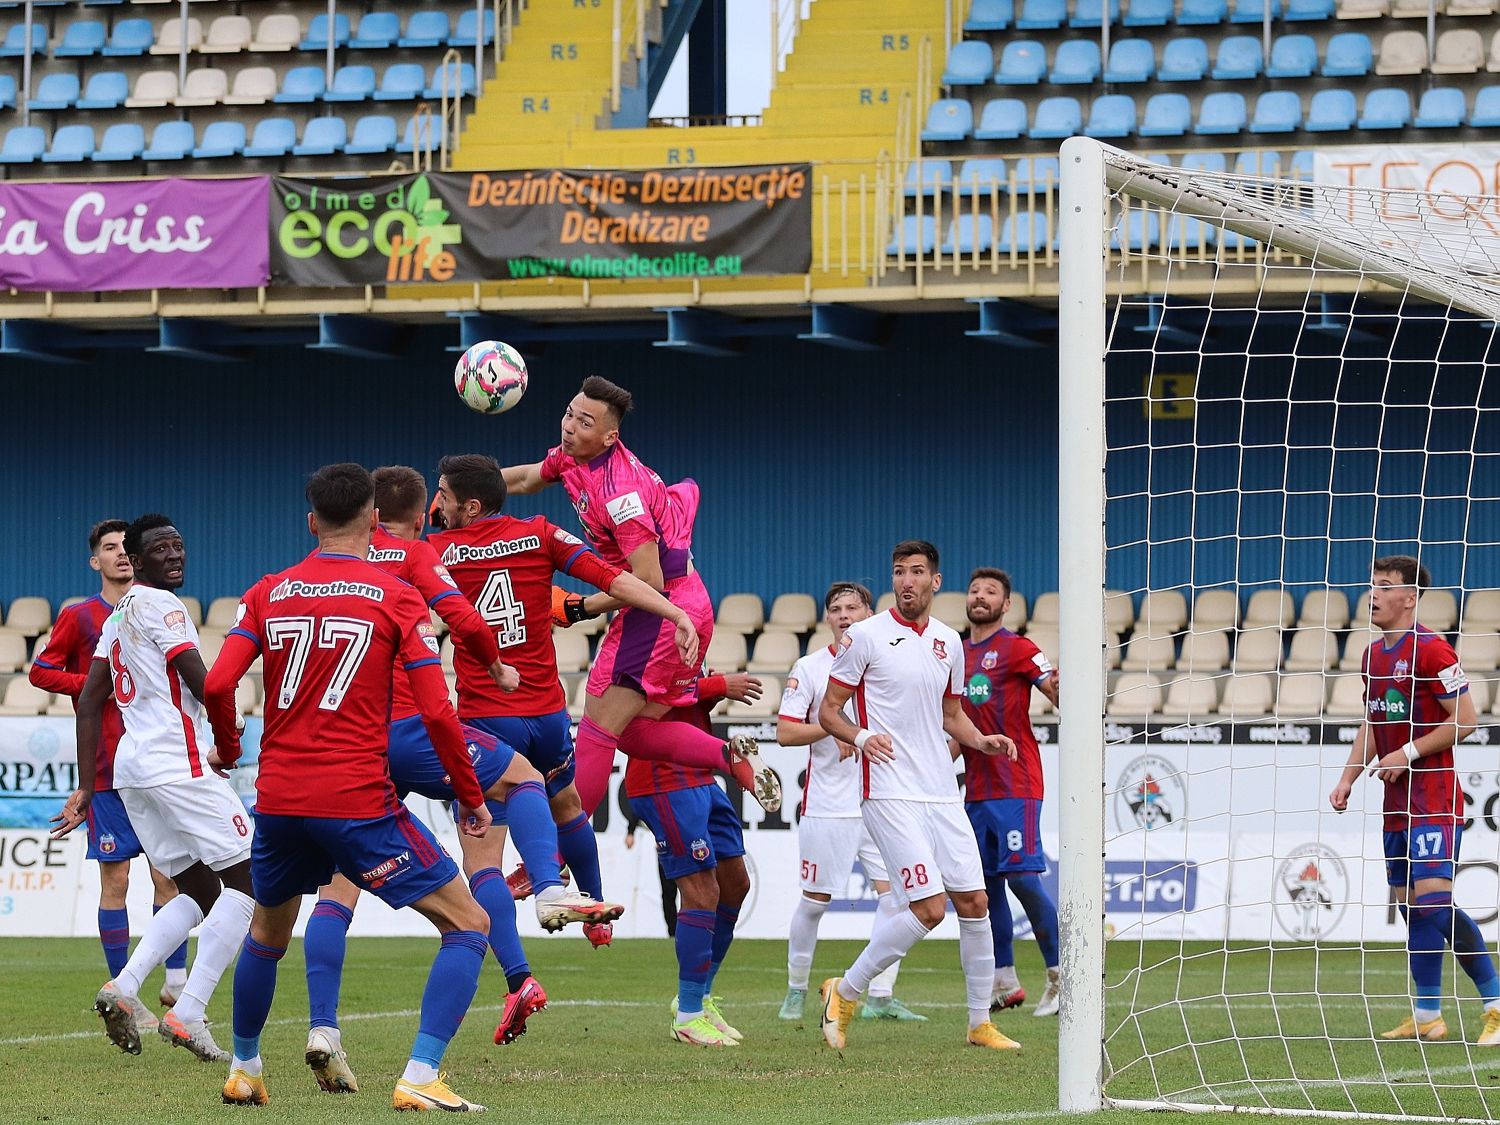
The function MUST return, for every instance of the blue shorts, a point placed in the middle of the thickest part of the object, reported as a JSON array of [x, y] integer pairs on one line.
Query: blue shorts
[[395, 857], [416, 767], [1009, 831], [694, 828], [111, 837], [1426, 850], [546, 741]]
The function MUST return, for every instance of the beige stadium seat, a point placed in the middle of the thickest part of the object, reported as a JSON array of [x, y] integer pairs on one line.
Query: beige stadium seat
[[792, 613], [221, 613], [886, 601], [205, 86], [775, 652], [1192, 697], [452, 681], [29, 617], [22, 699], [255, 85], [1363, 9], [438, 624], [1301, 696], [1216, 609], [66, 602], [194, 608], [153, 89], [1047, 610], [61, 707], [1119, 611], [210, 641], [277, 33], [1492, 64], [1312, 650], [1257, 650], [1481, 611], [1471, 7], [1415, 9], [1246, 697], [12, 652], [1046, 638], [1438, 610], [1136, 695], [1146, 653], [762, 708], [1326, 609], [1347, 699], [1460, 51], [951, 609], [1483, 694], [726, 652], [578, 698], [572, 650], [740, 613], [1270, 607], [1402, 52], [1354, 649], [1114, 650], [1204, 652], [1479, 652], [1015, 616], [1162, 612], [1038, 705], [169, 38], [247, 695], [38, 646], [445, 652], [821, 637], [226, 35]]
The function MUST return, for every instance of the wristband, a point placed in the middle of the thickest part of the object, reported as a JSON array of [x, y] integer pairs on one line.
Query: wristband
[[1411, 751], [862, 737], [712, 688]]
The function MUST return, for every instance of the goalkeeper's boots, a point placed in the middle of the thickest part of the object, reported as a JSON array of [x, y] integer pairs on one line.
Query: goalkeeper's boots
[[436, 1094], [838, 1014], [988, 1035], [1051, 998], [750, 772], [1489, 1035], [1431, 1030], [245, 1089]]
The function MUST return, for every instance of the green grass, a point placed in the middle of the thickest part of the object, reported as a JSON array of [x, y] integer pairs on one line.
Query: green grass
[[601, 1051]]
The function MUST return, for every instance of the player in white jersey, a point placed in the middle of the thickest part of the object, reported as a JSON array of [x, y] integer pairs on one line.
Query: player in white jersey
[[830, 833], [189, 820], [905, 672]]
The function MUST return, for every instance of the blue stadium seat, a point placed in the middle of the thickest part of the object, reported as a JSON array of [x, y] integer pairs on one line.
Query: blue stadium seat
[[1056, 117], [82, 37], [1442, 107], [913, 236], [107, 89], [1387, 108], [1131, 60], [1220, 113], [1002, 119], [463, 31], [1075, 63], [352, 84], [301, 84], [928, 178], [323, 136], [130, 37], [70, 144], [1112, 115], [56, 91], [1024, 231], [1183, 60], [1239, 57], [221, 138], [373, 134], [1331, 111], [1348, 55], [24, 144], [121, 142], [970, 63], [1309, 9], [1486, 107], [1254, 11], [1022, 63], [420, 134], [101, 3], [949, 119], [1140, 230], [1277, 111], [1090, 13], [273, 136], [377, 30], [15, 41], [171, 140], [425, 29], [969, 234], [1197, 12], [981, 174], [402, 82], [315, 38], [1203, 162], [990, 15], [1167, 115], [460, 84], [1035, 173], [7, 91], [1301, 167], [1148, 13], [1293, 56], [1041, 15]]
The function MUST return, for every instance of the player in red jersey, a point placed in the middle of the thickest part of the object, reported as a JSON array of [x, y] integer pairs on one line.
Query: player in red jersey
[[331, 630], [1417, 708], [637, 523], [61, 666], [1003, 797]]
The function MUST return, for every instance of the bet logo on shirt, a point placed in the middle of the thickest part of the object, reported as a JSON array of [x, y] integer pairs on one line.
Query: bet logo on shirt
[[980, 689]]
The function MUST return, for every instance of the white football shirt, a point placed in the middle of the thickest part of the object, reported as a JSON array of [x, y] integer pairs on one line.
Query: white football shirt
[[833, 786], [166, 735], [900, 677]]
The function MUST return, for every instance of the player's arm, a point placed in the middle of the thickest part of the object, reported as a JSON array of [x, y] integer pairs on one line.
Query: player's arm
[[737, 686], [49, 668], [189, 665], [961, 729], [1443, 736], [624, 588], [793, 732], [1359, 755], [523, 480], [1048, 687], [234, 660], [90, 717], [796, 700]]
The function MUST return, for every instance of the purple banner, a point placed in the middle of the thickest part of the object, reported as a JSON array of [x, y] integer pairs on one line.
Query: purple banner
[[135, 234]]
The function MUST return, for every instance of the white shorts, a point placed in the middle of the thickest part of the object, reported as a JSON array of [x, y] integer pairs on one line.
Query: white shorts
[[200, 820], [928, 847], [828, 846]]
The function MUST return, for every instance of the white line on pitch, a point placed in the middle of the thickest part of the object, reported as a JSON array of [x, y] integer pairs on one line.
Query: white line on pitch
[[982, 1119]]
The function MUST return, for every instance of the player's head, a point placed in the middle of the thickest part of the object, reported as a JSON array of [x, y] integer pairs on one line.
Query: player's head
[[591, 422], [470, 487], [844, 604], [989, 595], [1396, 582], [342, 499], [156, 552], [401, 500], [914, 577], [107, 551]]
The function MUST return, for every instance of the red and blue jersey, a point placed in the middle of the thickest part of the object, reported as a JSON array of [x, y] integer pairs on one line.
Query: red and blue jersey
[[62, 666], [999, 674], [1405, 684]]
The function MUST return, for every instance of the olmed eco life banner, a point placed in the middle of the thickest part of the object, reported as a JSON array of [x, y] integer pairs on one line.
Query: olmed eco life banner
[[134, 234]]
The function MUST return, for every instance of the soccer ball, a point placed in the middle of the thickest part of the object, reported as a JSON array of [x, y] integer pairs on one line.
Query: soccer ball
[[490, 377]]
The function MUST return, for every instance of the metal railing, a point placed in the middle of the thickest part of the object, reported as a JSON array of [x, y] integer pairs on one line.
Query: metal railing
[[786, 21], [627, 41], [451, 116]]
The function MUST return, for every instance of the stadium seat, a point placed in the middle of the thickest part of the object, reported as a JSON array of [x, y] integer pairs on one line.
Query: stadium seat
[[1144, 652], [1119, 611], [153, 89], [950, 608], [277, 33], [1438, 610], [1254, 11], [1386, 109], [1131, 60], [1348, 55], [1402, 52], [70, 144], [1014, 618], [1458, 51], [129, 38], [1162, 612], [1112, 115], [221, 138], [421, 135], [1167, 115], [1360, 619], [376, 31], [1192, 697], [1046, 611], [227, 35], [316, 36], [1183, 60], [302, 84], [193, 607], [1277, 111], [23, 144], [1331, 111], [1196, 12], [1270, 607], [1148, 13], [1354, 649], [1300, 696], [21, 699], [1479, 652], [1312, 650], [1141, 230], [1041, 15], [221, 613], [1022, 63], [425, 29], [1002, 119], [949, 119], [969, 234], [740, 613], [56, 91], [373, 134], [1417, 9], [1482, 691], [774, 652], [928, 178], [1056, 117], [28, 616], [1347, 699], [1238, 57], [1204, 652], [1363, 9], [273, 136], [913, 236], [82, 38], [255, 85], [121, 142], [205, 86], [171, 140], [14, 45], [756, 710], [1246, 697], [1441, 108], [1024, 232], [12, 652], [1482, 607], [402, 82], [1492, 64], [726, 651], [1293, 56], [1136, 695], [459, 81], [7, 91], [323, 136], [572, 650], [970, 63], [1075, 63], [468, 23], [1215, 610], [169, 39], [982, 175], [352, 84], [1309, 10], [1257, 650], [1034, 175], [1203, 162], [1090, 13], [1472, 7], [1326, 609], [1220, 113], [792, 613], [990, 15]]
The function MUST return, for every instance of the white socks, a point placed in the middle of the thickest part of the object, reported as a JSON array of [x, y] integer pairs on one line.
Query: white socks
[[168, 928], [802, 940], [176, 978], [890, 939], [976, 952], [884, 984], [218, 942], [419, 1074], [550, 894], [1005, 977], [252, 1067]]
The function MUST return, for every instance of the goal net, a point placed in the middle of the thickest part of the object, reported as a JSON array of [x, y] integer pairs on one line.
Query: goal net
[[1267, 383]]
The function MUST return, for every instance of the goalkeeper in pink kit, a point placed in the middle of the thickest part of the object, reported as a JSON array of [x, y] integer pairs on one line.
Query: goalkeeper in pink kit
[[636, 523]]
